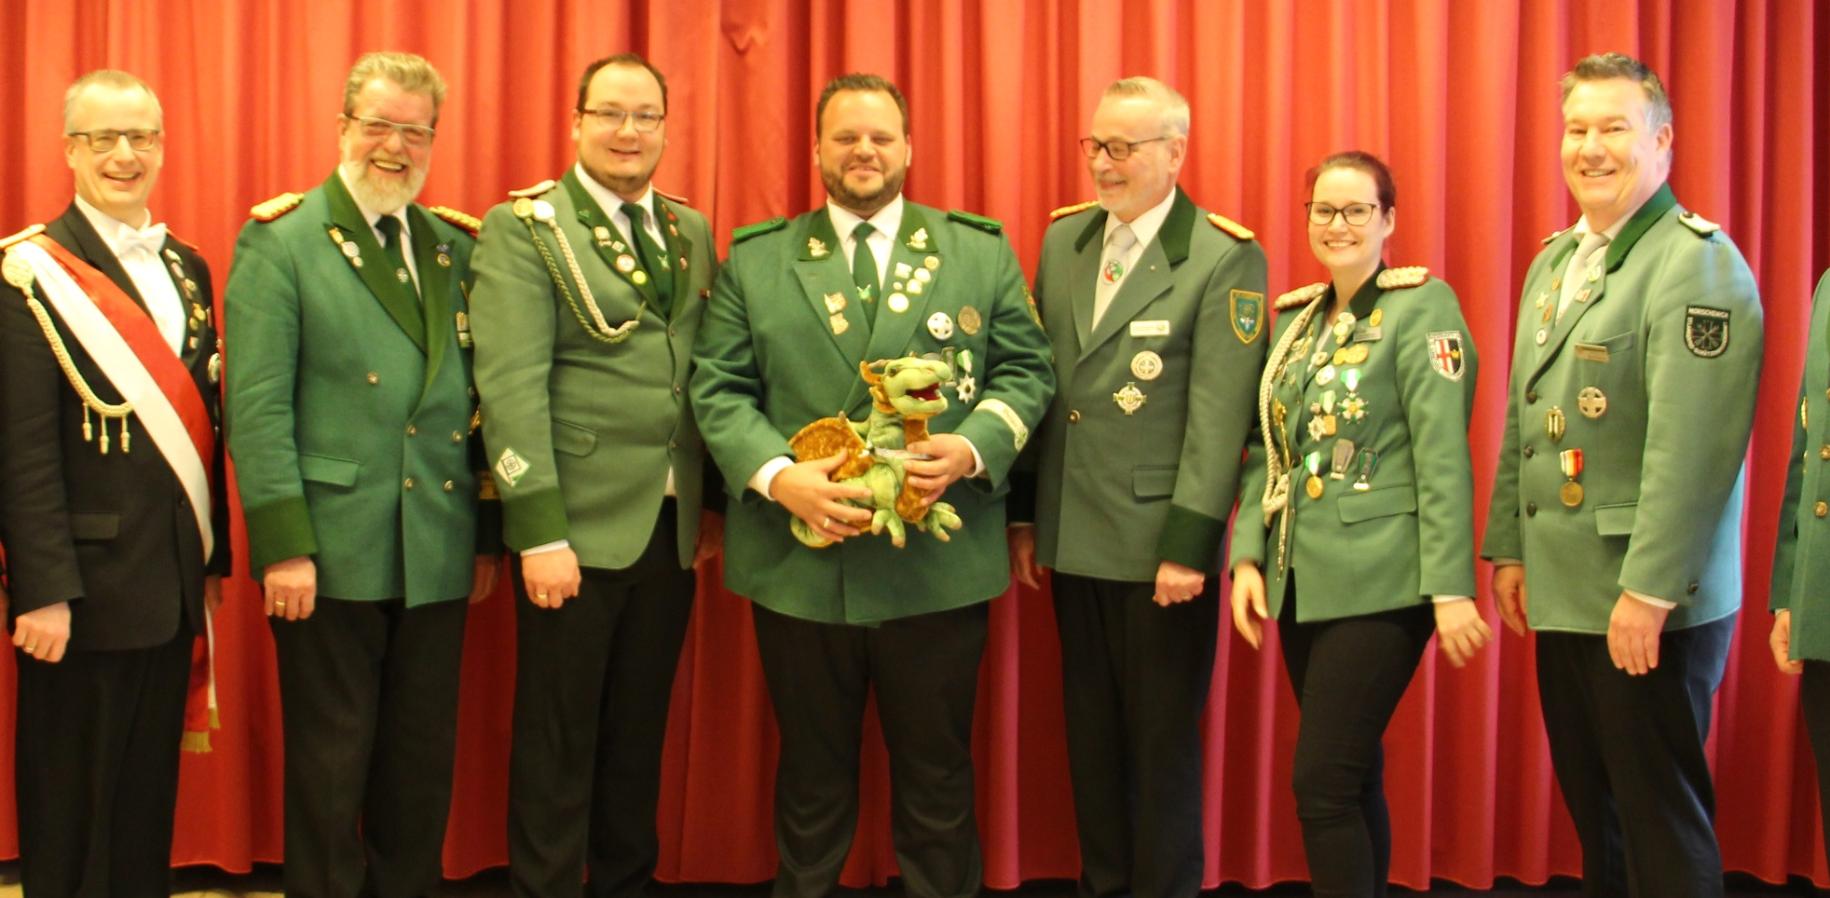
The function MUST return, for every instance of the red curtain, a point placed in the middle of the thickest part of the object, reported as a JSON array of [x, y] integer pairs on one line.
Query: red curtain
[[1460, 97]]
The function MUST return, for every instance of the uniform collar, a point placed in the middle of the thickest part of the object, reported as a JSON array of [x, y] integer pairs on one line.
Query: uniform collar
[[607, 199], [887, 221], [117, 233], [1146, 224], [370, 215]]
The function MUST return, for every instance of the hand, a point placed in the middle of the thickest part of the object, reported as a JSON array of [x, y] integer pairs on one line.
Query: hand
[[484, 576], [1780, 640], [1023, 564], [1176, 583], [1633, 631], [551, 577], [1509, 594], [44, 633], [291, 588], [1248, 600], [952, 459], [711, 537], [803, 489], [212, 594], [1460, 630]]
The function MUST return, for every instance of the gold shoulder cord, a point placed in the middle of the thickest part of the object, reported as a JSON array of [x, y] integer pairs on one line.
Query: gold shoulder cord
[[1276, 496], [595, 324], [19, 273]]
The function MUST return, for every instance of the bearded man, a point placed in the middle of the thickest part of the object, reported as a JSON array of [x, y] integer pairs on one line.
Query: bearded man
[[350, 415]]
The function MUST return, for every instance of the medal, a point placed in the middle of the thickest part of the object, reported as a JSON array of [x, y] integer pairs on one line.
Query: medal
[[1130, 399], [898, 303], [1571, 491], [639, 277], [1377, 316], [1342, 460], [1591, 402], [940, 324], [1325, 376], [1327, 402], [625, 263], [1343, 327], [969, 320], [1319, 359], [1555, 424], [1313, 486], [931, 263], [1369, 461], [1146, 365]]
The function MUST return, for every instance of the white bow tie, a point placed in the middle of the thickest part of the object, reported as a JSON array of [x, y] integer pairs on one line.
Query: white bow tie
[[151, 239]]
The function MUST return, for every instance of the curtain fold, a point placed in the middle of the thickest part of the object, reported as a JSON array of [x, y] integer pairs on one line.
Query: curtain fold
[[1460, 98]]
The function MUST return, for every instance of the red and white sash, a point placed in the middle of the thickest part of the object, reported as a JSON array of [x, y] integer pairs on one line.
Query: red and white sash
[[133, 355]]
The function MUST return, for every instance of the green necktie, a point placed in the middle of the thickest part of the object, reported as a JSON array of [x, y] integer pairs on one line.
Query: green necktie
[[648, 254], [389, 226], [864, 267]]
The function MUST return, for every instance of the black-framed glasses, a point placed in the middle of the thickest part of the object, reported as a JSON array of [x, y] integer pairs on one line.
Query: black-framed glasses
[[379, 129], [646, 121], [139, 140], [1355, 214], [1116, 150]]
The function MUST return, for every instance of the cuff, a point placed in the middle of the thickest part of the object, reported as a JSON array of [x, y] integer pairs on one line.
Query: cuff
[[553, 546], [978, 461], [1651, 600], [765, 475], [1443, 600]]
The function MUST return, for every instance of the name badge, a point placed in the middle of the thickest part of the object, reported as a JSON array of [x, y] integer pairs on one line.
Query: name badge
[[1365, 332], [1149, 328], [1592, 352]]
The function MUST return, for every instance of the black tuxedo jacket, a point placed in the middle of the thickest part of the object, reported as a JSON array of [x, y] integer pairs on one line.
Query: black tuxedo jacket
[[113, 534]]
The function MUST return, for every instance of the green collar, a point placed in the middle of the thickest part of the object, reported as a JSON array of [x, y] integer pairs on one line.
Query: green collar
[[1637, 226], [1175, 233], [395, 297]]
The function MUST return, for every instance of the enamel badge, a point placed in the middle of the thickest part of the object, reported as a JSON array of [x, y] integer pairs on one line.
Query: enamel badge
[[1706, 331], [1446, 354], [1247, 314]]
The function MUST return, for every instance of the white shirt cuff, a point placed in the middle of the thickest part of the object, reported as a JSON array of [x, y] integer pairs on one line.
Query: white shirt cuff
[[1654, 602], [978, 461], [553, 546], [1440, 600], [765, 475]]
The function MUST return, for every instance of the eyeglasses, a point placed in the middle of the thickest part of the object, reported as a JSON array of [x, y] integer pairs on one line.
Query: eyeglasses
[[380, 129], [646, 121], [104, 141], [1117, 150], [1355, 214]]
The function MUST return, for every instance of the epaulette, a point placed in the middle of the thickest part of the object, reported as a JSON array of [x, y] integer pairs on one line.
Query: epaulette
[[988, 225], [1399, 278], [276, 207], [1703, 226], [1230, 226], [463, 221], [1301, 296], [22, 236], [1065, 211], [761, 227], [1557, 233], [671, 197], [535, 190]]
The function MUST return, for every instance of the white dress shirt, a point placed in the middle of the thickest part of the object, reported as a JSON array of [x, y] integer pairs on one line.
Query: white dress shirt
[[137, 249]]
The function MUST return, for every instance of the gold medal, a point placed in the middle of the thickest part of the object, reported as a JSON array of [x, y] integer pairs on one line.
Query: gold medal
[[1570, 493], [1356, 354], [1591, 402], [969, 320], [639, 277], [1130, 399], [1570, 460], [1377, 317], [1313, 487]]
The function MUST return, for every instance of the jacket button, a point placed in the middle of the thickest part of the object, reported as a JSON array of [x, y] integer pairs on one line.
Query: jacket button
[[412, 430], [457, 436], [1531, 509], [1822, 509], [449, 486], [672, 333], [407, 484], [1531, 396], [673, 444], [1073, 416], [374, 378], [1824, 453], [1529, 452], [1692, 588], [676, 389]]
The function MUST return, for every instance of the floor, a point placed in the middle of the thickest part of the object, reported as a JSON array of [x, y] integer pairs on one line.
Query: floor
[[264, 882]]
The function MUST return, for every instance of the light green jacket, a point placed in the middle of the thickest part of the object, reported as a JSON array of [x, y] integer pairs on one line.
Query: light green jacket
[[1801, 557]]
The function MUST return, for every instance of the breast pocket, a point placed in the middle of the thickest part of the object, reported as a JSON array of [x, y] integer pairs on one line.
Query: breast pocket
[[573, 439]]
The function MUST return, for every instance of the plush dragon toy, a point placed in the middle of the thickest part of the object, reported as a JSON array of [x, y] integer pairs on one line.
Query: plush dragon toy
[[905, 393]]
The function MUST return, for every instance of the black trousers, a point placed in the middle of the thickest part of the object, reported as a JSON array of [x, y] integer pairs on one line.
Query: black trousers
[[1628, 753], [1134, 680], [1349, 675], [97, 770], [369, 705], [925, 670], [1814, 693], [592, 682]]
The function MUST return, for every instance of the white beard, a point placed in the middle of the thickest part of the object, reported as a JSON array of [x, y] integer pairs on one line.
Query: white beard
[[385, 199]]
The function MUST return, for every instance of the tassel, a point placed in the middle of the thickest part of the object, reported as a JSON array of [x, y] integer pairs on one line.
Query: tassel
[[126, 438], [88, 430]]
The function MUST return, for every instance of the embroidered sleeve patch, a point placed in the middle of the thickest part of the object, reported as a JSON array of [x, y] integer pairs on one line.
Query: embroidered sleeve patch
[[1705, 331], [1446, 354], [511, 467], [1248, 314], [1018, 431]]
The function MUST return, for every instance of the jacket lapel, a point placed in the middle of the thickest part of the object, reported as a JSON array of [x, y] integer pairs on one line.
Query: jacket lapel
[[434, 286], [915, 244], [828, 289], [1153, 275], [1083, 280], [678, 246], [86, 243], [1594, 289], [618, 256], [347, 222]]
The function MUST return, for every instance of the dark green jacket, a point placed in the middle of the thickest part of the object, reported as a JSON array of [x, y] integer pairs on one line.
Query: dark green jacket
[[1801, 557]]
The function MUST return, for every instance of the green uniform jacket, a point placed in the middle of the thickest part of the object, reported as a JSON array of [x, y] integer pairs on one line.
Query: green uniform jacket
[[1118, 493], [581, 431], [769, 362], [1801, 558], [349, 402], [1666, 347], [1394, 522]]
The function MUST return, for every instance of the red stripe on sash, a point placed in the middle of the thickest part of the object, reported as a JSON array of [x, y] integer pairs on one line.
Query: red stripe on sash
[[142, 336]]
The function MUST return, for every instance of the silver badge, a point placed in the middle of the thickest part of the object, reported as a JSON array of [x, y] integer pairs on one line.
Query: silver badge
[[1146, 365], [940, 324]]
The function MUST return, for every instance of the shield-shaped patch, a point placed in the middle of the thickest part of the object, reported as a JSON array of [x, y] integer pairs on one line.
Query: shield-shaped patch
[[1706, 331], [1248, 314], [1446, 354]]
